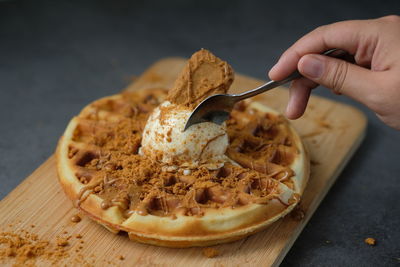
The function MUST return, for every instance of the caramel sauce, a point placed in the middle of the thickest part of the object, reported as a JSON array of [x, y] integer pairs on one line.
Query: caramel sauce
[[207, 144], [105, 204]]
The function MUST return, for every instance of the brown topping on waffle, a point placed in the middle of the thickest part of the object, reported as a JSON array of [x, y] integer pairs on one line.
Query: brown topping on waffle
[[107, 162], [261, 142], [204, 75]]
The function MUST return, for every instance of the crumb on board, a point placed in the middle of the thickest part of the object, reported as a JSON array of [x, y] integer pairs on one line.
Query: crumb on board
[[323, 123], [370, 241], [312, 134], [76, 218], [314, 162], [22, 248], [210, 252], [298, 213], [62, 242], [121, 257]]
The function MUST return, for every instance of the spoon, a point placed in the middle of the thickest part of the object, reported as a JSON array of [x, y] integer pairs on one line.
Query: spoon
[[216, 108]]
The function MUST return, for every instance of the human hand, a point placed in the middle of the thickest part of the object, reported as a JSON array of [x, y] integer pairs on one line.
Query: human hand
[[374, 78]]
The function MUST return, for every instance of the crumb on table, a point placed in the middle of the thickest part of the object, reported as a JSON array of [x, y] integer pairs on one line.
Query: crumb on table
[[370, 241], [210, 252]]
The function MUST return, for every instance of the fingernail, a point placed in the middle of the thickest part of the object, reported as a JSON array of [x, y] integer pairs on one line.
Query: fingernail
[[312, 66], [288, 111], [272, 69]]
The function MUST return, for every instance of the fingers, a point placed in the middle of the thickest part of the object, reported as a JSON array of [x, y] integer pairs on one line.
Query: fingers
[[346, 35], [359, 38], [342, 77], [299, 93]]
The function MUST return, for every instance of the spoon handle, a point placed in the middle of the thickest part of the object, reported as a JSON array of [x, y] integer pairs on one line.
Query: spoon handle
[[337, 53]]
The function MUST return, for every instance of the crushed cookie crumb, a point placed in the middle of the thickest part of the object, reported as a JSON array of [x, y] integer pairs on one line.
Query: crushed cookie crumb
[[298, 213], [26, 249], [62, 242], [370, 241], [76, 218], [121, 257], [211, 252]]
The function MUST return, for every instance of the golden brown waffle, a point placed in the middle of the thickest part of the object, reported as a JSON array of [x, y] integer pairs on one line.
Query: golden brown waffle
[[101, 171]]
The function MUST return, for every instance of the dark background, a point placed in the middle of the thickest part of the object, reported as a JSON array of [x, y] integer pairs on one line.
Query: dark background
[[57, 56]]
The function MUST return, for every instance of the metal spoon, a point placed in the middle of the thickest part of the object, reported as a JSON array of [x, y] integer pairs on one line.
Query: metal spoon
[[216, 108]]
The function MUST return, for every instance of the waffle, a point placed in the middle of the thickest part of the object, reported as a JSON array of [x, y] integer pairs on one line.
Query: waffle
[[102, 172], [126, 185]]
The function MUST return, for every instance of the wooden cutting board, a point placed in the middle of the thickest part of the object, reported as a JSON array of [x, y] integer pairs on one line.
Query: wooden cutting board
[[331, 131]]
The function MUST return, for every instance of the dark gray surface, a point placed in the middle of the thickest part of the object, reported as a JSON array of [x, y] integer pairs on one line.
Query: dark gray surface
[[55, 57]]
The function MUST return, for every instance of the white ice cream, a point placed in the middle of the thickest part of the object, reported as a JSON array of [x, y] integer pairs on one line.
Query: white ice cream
[[201, 144]]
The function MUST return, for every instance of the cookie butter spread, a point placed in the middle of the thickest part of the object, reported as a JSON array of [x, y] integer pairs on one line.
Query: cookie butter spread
[[132, 152], [204, 75]]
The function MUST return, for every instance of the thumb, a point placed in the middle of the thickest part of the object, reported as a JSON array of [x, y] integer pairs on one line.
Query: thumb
[[340, 76]]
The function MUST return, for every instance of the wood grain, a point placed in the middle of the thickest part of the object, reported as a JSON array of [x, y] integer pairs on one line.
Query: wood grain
[[331, 131]]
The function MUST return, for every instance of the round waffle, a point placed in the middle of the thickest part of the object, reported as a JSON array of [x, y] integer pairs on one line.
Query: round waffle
[[101, 170]]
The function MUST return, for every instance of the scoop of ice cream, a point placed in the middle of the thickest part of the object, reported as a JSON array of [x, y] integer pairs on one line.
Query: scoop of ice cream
[[201, 144]]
